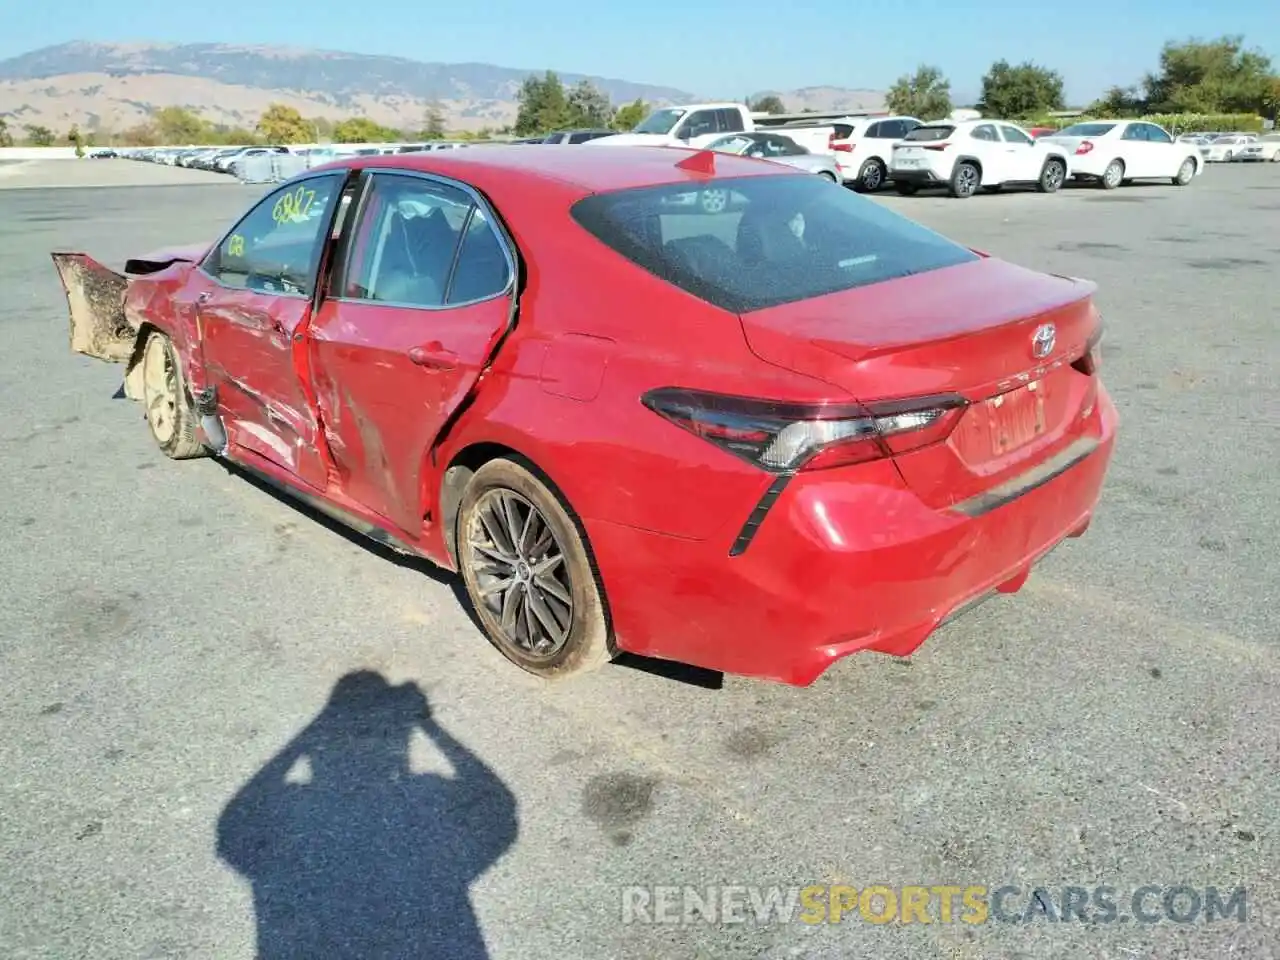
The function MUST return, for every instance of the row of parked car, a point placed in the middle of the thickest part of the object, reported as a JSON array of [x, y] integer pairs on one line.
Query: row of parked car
[[231, 160], [964, 154], [1236, 147]]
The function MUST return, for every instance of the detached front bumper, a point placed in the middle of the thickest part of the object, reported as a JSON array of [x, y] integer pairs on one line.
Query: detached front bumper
[[838, 565]]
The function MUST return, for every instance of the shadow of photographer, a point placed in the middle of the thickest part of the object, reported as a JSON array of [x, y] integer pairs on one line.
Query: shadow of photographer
[[352, 854]]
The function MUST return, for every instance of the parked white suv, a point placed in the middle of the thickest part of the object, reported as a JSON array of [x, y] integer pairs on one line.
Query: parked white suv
[[968, 155], [864, 146]]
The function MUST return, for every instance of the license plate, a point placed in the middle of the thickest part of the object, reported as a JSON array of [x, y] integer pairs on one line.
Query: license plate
[[1016, 418], [907, 162]]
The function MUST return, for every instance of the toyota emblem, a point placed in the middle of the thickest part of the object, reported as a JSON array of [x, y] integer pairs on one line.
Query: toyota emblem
[[1043, 340]]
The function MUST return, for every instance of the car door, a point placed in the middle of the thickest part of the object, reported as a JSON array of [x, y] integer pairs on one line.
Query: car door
[[1023, 160], [986, 145], [252, 298], [1135, 151], [1166, 157], [419, 301]]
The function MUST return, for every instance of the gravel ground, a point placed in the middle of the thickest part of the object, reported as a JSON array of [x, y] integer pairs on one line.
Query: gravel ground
[[170, 635]]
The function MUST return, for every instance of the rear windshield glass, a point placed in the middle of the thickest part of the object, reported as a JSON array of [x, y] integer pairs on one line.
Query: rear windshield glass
[[1087, 130], [748, 243], [930, 131]]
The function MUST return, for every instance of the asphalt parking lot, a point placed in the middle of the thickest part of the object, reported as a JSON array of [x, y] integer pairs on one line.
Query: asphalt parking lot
[[168, 629]]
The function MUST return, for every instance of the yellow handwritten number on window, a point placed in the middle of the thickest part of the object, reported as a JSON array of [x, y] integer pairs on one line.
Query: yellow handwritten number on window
[[235, 246], [294, 206]]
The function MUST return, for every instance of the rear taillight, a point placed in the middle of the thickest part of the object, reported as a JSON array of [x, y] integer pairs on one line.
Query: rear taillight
[[1084, 148], [786, 437], [835, 146], [1090, 362], [935, 146]]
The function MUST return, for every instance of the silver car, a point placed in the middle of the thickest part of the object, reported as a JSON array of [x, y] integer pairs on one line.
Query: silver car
[[779, 149]]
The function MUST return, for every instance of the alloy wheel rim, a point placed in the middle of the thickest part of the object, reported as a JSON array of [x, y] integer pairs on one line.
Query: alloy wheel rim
[[1114, 173], [520, 573], [1053, 175], [713, 201], [968, 180], [871, 179], [160, 385]]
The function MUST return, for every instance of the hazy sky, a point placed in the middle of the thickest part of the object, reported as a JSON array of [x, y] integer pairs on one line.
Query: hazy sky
[[711, 48]]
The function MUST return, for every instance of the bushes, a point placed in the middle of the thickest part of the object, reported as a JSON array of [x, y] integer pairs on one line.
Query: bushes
[[1220, 123], [1175, 123]]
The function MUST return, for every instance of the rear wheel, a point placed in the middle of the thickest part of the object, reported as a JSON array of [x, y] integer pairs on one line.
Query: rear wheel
[[1052, 176], [827, 175], [1185, 173], [965, 180], [1113, 175], [871, 176], [170, 413], [528, 573]]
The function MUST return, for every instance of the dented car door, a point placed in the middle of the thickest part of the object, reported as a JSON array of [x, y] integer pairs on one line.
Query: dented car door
[[418, 303], [253, 295]]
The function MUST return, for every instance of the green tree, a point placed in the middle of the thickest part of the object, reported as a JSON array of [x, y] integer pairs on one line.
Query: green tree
[[177, 126], [6, 138], [1025, 90], [925, 94], [280, 124], [769, 103], [39, 136], [628, 117], [1118, 102], [543, 105], [588, 106], [362, 130], [433, 122], [1215, 76]]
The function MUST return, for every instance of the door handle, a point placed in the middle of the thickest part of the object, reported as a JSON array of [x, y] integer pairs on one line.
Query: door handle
[[433, 355]]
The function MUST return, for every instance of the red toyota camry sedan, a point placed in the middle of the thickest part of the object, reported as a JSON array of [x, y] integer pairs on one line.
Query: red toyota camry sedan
[[757, 434]]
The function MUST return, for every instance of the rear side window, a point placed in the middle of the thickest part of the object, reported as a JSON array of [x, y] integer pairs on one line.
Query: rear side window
[[843, 131], [1087, 130], [776, 240], [730, 120], [930, 131]]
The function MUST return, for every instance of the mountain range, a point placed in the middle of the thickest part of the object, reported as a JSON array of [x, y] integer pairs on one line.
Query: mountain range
[[115, 86]]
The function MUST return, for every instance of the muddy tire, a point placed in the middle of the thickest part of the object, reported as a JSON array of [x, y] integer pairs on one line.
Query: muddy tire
[[529, 573], [170, 414]]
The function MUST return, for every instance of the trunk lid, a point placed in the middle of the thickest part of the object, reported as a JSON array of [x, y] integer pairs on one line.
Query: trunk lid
[[965, 330]]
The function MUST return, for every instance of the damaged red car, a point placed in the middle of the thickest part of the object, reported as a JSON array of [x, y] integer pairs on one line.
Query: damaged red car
[[755, 435]]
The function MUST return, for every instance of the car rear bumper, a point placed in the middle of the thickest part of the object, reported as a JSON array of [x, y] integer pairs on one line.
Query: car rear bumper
[[922, 175], [819, 581]]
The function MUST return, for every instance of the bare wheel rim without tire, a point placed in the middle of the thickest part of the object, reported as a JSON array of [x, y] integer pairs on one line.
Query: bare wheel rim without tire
[[714, 201], [160, 389], [520, 573]]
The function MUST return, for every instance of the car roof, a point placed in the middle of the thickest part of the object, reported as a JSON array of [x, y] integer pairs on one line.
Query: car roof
[[608, 168]]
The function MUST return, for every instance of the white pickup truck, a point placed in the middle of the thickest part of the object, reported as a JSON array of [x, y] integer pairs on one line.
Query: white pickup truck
[[698, 124], [693, 125]]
